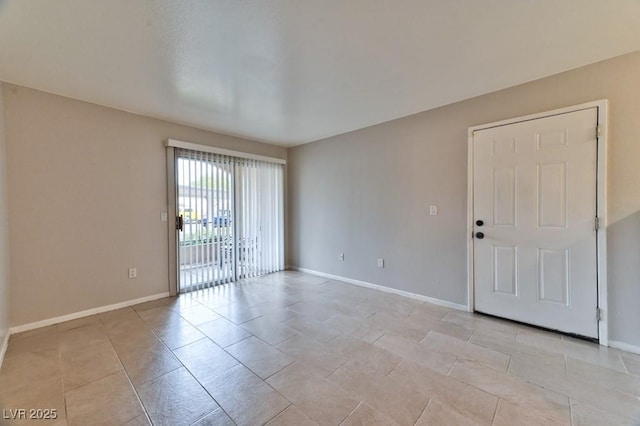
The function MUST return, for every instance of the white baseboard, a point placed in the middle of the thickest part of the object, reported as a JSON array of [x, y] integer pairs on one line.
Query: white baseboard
[[82, 314], [624, 346], [3, 348], [613, 344], [416, 296]]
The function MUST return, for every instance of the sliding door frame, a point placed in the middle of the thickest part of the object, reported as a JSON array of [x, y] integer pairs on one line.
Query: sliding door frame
[[172, 214], [172, 201]]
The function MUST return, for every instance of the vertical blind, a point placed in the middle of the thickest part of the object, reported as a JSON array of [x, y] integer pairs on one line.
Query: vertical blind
[[259, 201], [232, 212]]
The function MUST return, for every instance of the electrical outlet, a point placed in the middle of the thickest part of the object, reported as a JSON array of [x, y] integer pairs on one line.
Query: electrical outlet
[[380, 263], [133, 272], [341, 256], [433, 210]]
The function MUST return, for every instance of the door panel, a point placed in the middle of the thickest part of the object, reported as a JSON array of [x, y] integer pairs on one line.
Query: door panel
[[204, 195], [535, 191], [505, 260], [553, 278], [504, 197], [552, 199]]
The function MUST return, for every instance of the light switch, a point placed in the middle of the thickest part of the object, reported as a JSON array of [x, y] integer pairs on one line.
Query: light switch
[[163, 217], [433, 210]]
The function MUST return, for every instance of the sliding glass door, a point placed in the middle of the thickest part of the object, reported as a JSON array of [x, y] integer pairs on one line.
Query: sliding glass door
[[259, 201], [230, 218], [205, 200]]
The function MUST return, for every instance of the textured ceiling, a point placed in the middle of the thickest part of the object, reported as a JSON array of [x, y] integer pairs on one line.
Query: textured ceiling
[[292, 71]]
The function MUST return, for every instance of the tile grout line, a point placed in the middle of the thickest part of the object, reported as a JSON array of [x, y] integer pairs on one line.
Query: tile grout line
[[451, 367], [395, 366], [270, 375], [64, 393], [252, 372], [425, 336], [424, 410], [352, 411], [205, 415], [334, 371], [571, 411], [282, 411], [124, 370], [495, 410], [378, 338], [624, 365], [473, 332], [183, 366], [168, 372]]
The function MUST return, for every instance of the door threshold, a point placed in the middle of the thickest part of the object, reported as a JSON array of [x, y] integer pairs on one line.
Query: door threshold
[[563, 333]]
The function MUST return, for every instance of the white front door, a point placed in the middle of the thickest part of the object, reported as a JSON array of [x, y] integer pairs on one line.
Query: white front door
[[534, 201]]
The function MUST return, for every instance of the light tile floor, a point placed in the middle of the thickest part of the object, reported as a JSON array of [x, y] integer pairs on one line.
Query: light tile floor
[[295, 349]]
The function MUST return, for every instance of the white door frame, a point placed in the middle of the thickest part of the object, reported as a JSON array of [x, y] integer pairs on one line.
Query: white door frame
[[172, 213], [601, 203]]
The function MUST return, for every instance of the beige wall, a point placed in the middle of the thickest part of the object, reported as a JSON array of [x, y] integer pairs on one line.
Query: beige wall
[[366, 193], [4, 236], [86, 188]]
